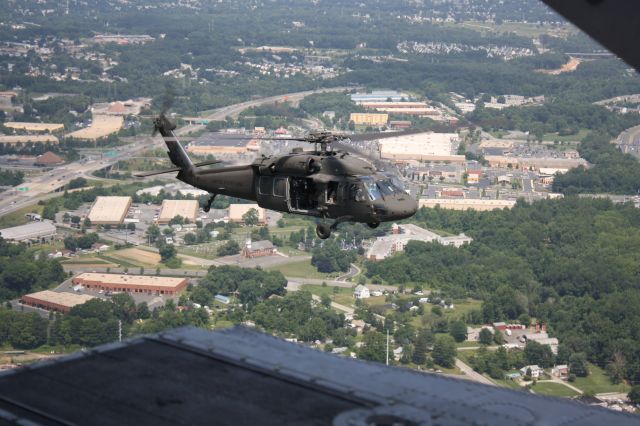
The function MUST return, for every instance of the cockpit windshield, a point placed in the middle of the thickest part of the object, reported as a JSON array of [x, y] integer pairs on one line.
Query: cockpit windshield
[[379, 188]]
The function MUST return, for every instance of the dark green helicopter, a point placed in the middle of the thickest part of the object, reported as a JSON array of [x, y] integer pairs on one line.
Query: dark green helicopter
[[322, 183]]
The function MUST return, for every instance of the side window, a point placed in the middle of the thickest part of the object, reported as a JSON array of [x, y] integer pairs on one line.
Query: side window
[[266, 185], [279, 187]]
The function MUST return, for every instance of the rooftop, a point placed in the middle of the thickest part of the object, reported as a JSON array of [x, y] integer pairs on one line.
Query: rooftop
[[34, 127], [188, 209], [138, 280], [109, 209], [30, 230], [64, 299]]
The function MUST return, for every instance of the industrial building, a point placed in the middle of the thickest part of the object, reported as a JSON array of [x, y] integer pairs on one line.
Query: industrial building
[[166, 286], [109, 210], [379, 96], [188, 209], [384, 247], [217, 143], [33, 232], [54, 301], [23, 139], [419, 146], [236, 211], [369, 119], [466, 204], [34, 127]]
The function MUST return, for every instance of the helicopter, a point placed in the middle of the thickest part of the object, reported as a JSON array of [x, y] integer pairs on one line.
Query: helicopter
[[322, 183]]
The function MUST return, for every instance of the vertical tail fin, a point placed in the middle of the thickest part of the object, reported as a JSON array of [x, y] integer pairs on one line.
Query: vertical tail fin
[[177, 154]]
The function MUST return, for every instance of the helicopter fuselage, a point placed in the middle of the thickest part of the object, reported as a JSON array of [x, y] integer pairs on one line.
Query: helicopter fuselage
[[331, 185]]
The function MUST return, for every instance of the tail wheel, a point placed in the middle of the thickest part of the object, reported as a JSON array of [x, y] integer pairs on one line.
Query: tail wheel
[[323, 231], [373, 225]]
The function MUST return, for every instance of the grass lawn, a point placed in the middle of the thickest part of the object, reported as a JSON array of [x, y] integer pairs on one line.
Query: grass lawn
[[302, 269], [461, 308], [555, 137], [344, 296], [468, 344], [118, 261], [17, 218], [553, 389], [511, 384], [598, 382]]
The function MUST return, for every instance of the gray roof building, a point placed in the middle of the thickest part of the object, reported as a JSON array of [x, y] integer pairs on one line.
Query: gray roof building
[[33, 231]]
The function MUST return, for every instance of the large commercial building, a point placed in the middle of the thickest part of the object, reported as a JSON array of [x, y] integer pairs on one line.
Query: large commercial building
[[166, 286], [109, 210], [236, 211], [102, 126], [54, 301], [188, 209], [219, 143], [466, 204], [34, 127], [379, 96], [369, 119], [23, 139], [33, 232], [420, 146], [384, 247]]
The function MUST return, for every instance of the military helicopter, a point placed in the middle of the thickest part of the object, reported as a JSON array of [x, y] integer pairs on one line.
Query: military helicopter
[[321, 183]]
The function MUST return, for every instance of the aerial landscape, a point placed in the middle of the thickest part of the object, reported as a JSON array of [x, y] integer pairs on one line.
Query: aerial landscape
[[468, 207]]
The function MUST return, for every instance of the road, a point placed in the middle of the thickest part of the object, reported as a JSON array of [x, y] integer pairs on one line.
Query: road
[[354, 271], [472, 375], [235, 109], [40, 187]]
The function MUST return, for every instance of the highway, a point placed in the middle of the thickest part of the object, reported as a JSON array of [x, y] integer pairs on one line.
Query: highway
[[44, 186]]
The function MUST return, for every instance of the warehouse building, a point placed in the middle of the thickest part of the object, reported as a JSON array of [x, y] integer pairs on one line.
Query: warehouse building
[[109, 210], [369, 119], [23, 139], [218, 143], [53, 301], [236, 211], [166, 286], [34, 127], [466, 204], [33, 232], [419, 146], [188, 209]]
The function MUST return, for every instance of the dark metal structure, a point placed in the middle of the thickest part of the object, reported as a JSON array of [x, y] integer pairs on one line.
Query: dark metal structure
[[243, 377]]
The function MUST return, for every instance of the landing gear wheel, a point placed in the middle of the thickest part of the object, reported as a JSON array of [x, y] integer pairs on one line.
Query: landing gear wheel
[[323, 231], [206, 209], [373, 225]]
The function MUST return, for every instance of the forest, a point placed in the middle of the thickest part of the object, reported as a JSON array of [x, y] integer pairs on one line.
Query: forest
[[572, 263]]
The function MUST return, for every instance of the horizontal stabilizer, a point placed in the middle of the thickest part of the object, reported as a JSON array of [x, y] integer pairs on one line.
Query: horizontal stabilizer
[[175, 169], [158, 172], [207, 163]]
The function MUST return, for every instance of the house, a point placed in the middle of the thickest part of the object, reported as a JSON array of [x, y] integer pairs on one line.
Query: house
[[358, 325], [99, 247], [536, 371], [361, 292], [560, 371], [222, 299]]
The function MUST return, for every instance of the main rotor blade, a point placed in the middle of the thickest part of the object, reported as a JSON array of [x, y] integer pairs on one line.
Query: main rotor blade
[[363, 137]]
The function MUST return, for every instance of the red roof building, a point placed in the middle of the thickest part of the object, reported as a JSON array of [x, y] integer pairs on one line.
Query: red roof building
[[48, 159]]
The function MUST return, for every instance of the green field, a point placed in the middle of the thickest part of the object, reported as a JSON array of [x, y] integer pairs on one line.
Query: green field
[[302, 269], [555, 137], [598, 382], [344, 296], [17, 218], [553, 389]]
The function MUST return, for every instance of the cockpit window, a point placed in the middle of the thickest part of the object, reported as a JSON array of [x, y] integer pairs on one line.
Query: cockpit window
[[372, 189]]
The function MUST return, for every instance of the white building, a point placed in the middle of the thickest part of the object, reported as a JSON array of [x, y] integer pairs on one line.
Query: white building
[[385, 246], [361, 292], [536, 371], [33, 232]]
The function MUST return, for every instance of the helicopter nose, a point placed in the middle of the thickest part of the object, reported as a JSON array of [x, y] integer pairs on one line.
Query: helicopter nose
[[406, 207]]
